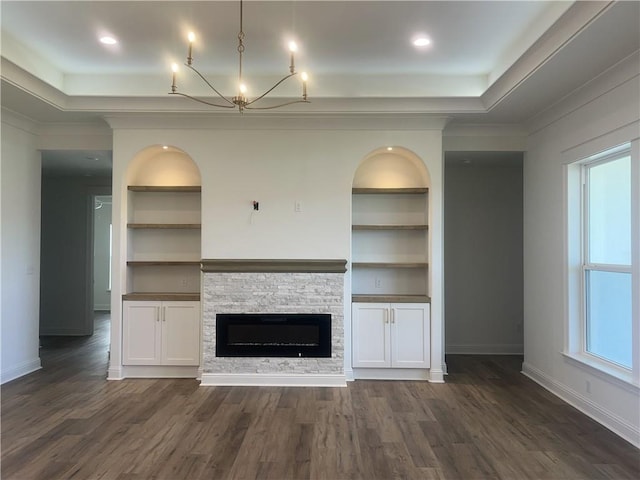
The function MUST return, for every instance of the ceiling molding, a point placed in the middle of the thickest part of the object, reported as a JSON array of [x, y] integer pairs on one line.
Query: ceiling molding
[[19, 121], [281, 121], [27, 82], [104, 105], [627, 70], [575, 20]]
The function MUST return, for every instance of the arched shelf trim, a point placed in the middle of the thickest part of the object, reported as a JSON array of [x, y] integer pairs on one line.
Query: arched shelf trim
[[396, 168], [159, 166]]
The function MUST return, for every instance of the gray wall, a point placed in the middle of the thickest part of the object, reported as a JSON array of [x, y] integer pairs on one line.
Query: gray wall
[[66, 280], [483, 252]]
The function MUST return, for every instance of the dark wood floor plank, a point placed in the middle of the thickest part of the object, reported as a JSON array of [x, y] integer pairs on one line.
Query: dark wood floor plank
[[487, 422]]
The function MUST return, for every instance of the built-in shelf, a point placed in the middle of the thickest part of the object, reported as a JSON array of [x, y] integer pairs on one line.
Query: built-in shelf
[[389, 264], [162, 263], [170, 188], [389, 245], [386, 191], [389, 227], [367, 298], [162, 296], [172, 226]]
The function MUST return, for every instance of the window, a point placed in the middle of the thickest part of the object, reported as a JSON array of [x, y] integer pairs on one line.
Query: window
[[603, 252], [607, 258]]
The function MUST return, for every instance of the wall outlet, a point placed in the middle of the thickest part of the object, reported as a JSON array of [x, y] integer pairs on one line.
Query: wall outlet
[[377, 283], [297, 206], [184, 282]]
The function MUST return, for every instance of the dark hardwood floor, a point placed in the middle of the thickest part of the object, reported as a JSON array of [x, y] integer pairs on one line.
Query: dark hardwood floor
[[487, 422]]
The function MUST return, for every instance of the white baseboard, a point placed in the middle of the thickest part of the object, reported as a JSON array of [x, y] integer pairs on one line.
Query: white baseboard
[[348, 373], [601, 415], [115, 373], [485, 349], [152, 371], [391, 374], [20, 370], [436, 375], [272, 380]]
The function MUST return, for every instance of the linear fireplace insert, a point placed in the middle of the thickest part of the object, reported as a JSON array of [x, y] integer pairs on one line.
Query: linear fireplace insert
[[273, 335]]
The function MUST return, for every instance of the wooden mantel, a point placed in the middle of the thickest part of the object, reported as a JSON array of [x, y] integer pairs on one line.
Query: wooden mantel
[[274, 265]]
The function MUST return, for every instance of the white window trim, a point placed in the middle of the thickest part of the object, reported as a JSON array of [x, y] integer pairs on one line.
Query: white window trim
[[574, 287]]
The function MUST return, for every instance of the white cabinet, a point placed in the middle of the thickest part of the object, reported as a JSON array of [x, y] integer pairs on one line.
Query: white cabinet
[[161, 333], [390, 335]]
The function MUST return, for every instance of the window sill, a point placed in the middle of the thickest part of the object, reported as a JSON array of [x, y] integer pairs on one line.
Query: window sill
[[608, 373]]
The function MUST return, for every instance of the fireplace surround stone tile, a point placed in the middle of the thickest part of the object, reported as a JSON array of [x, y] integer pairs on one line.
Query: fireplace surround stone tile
[[273, 292]]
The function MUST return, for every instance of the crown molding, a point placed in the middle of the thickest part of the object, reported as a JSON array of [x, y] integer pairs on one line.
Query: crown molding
[[19, 121], [627, 70], [288, 121], [575, 20]]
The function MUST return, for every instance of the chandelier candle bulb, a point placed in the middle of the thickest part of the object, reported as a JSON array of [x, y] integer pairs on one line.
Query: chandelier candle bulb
[[192, 37], [292, 48], [174, 69], [305, 77]]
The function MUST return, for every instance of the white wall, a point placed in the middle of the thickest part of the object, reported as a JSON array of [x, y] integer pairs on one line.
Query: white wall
[[483, 253], [20, 219], [603, 114], [278, 162]]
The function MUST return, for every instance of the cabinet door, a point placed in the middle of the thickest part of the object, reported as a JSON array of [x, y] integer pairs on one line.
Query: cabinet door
[[181, 333], [141, 333], [410, 332], [371, 335]]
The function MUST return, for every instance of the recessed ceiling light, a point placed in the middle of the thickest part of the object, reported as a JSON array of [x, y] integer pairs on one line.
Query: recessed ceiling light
[[108, 40], [421, 41], [165, 147], [389, 148]]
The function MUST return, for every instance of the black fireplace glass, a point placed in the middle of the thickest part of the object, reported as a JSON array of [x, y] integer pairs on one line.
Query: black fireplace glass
[[273, 335]]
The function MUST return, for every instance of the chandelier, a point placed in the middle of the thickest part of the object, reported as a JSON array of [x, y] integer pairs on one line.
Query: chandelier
[[240, 101]]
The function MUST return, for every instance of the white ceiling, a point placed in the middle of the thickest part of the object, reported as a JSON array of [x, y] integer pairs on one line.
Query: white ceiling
[[490, 61], [348, 38]]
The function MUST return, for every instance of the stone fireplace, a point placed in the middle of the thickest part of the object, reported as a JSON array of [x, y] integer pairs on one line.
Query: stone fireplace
[[273, 287]]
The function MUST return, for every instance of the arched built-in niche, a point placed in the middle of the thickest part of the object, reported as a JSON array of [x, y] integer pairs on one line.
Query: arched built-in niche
[[389, 267], [163, 225], [390, 211]]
